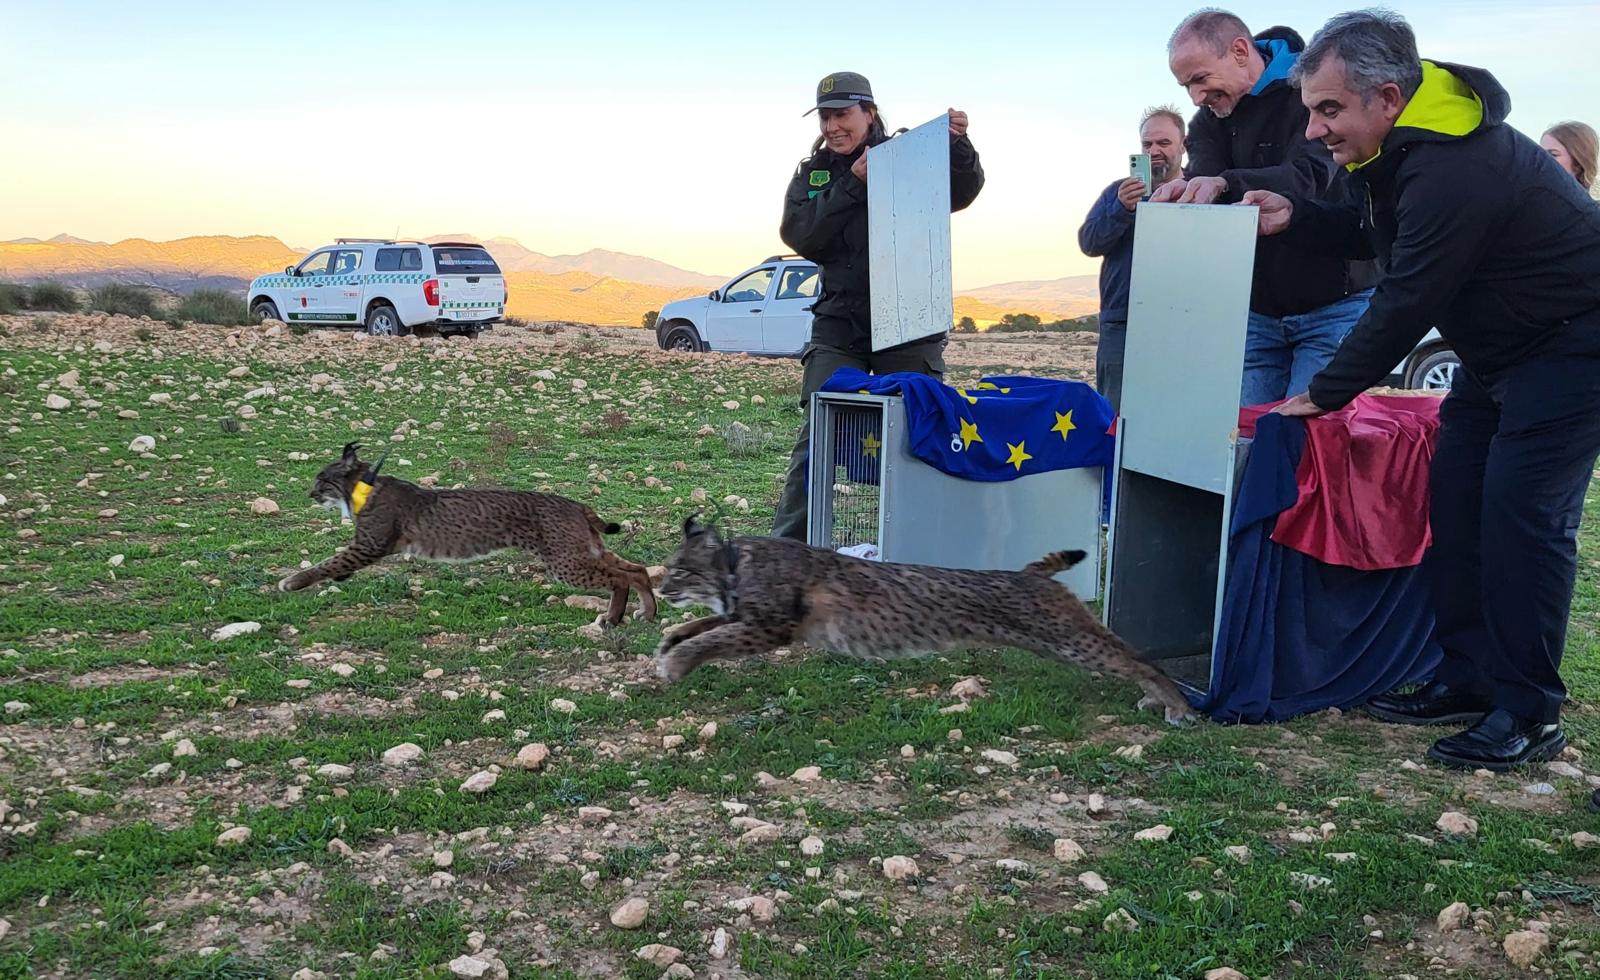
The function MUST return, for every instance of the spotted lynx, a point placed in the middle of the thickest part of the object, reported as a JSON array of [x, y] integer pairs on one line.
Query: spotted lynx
[[396, 517], [769, 592]]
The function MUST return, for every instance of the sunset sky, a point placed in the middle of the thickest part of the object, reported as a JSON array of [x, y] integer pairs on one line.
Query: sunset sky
[[661, 129]]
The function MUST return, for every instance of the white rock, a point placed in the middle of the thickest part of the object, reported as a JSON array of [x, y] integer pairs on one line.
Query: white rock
[[1120, 921], [969, 688], [479, 782], [1583, 839], [493, 715], [563, 705], [532, 756], [342, 670], [1238, 852], [340, 848], [142, 444], [1453, 916], [263, 506], [1068, 851], [469, 966], [1225, 973], [807, 774], [593, 814], [630, 914], [56, 403], [1093, 882], [1309, 882], [1524, 948], [999, 757], [1565, 769], [1013, 867], [658, 955], [900, 867], [183, 748], [719, 944], [670, 742], [68, 380], [238, 372], [1159, 832], [708, 731], [811, 846], [402, 755], [764, 834], [233, 836], [16, 707], [1453, 822], [335, 771], [159, 398], [443, 859], [232, 630]]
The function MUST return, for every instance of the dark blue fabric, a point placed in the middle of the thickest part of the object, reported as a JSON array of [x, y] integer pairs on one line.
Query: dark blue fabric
[[1001, 429], [1298, 635], [1107, 233]]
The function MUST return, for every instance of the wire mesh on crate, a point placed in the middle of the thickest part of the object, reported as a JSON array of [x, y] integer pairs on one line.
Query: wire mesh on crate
[[857, 443]]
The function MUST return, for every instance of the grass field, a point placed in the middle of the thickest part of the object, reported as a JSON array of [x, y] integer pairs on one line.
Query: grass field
[[131, 740]]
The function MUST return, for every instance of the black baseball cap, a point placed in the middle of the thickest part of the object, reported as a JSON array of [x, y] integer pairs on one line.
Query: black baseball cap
[[841, 90]]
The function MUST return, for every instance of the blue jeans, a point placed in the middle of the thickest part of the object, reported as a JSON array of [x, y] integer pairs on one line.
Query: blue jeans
[[1283, 353]]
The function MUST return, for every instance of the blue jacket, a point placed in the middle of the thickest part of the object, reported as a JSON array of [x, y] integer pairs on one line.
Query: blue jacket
[[1108, 233]]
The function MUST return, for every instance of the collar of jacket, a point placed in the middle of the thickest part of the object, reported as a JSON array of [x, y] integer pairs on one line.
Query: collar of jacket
[[1444, 106]]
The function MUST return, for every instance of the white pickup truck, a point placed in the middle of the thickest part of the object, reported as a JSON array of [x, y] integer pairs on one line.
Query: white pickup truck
[[388, 288]]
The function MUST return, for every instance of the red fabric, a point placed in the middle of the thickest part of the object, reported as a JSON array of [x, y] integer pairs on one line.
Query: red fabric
[[1363, 482]]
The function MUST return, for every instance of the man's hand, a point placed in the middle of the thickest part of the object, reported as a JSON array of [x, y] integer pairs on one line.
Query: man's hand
[[958, 123], [859, 168], [1130, 192], [1168, 193], [1203, 190], [1276, 210], [1300, 407]]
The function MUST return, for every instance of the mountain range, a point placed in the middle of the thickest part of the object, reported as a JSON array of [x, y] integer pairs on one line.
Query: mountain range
[[597, 286]]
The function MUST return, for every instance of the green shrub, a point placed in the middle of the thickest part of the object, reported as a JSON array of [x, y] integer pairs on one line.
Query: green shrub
[[51, 295], [134, 301], [216, 306]]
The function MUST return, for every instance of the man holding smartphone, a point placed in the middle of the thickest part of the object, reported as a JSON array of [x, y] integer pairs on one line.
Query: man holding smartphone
[[1108, 233], [1250, 134]]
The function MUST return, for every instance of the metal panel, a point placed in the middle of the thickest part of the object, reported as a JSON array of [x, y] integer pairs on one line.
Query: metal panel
[[1188, 307], [908, 235], [927, 517]]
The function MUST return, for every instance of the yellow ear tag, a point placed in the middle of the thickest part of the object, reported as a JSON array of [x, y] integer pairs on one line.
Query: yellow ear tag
[[358, 496]]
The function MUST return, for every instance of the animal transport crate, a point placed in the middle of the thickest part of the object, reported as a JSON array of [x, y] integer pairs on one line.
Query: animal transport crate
[[866, 488]]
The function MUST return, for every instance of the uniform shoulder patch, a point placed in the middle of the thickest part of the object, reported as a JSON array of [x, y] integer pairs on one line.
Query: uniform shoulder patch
[[820, 177]]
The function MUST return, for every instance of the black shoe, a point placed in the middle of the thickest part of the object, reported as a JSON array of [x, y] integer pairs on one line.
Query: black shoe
[[1499, 742], [1594, 801], [1430, 704]]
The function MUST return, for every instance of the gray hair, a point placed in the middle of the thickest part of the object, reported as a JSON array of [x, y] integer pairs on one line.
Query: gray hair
[[1166, 112], [1377, 47], [1212, 26]]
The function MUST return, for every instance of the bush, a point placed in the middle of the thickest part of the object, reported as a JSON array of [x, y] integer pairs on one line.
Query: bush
[[216, 306], [134, 301], [648, 321], [13, 297], [51, 295]]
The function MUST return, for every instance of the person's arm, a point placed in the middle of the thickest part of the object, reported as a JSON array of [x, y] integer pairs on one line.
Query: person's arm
[[1307, 168], [1109, 223], [966, 173], [813, 222], [1445, 225]]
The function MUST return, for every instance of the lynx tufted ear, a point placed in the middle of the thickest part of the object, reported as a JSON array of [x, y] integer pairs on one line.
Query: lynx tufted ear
[[692, 526], [350, 451]]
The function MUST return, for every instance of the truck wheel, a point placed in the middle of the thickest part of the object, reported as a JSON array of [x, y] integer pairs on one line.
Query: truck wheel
[[383, 321], [683, 338], [265, 310], [1435, 372]]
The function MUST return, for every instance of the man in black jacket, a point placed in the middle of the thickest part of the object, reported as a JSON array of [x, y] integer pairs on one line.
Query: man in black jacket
[[1476, 229], [1249, 134], [825, 220]]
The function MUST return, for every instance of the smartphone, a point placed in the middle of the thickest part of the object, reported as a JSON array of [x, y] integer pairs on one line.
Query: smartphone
[[1139, 166]]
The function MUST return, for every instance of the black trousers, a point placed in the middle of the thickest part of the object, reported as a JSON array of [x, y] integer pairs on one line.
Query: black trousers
[[1510, 471]]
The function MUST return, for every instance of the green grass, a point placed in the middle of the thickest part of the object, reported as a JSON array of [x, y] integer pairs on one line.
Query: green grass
[[117, 298], [122, 876]]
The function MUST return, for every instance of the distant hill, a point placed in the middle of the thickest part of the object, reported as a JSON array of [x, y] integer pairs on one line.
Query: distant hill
[[597, 286]]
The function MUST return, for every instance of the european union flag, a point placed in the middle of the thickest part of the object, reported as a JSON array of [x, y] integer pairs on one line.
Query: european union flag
[[999, 429]]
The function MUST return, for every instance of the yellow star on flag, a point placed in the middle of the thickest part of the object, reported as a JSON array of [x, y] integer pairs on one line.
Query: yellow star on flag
[[1018, 457], [969, 434], [963, 393], [869, 445], [1063, 424], [991, 386]]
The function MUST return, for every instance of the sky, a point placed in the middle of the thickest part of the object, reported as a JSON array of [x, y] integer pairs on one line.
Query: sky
[[660, 129]]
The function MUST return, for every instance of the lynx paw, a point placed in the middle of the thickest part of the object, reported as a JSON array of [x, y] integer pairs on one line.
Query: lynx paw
[[1177, 715], [286, 584]]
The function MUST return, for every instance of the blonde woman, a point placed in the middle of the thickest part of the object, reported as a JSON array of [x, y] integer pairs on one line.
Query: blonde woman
[[1574, 146]]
